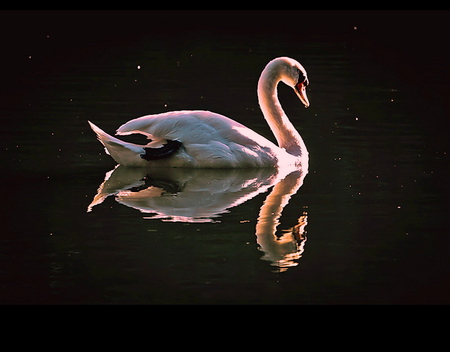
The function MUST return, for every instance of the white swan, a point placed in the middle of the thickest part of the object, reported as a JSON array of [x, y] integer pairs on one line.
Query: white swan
[[203, 139]]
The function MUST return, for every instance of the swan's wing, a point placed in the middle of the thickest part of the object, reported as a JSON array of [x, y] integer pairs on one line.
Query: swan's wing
[[180, 125], [193, 127]]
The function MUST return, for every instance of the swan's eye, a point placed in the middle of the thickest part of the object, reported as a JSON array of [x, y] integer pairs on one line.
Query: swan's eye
[[302, 78]]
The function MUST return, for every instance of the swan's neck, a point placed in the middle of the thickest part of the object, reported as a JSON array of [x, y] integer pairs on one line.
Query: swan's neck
[[284, 131]]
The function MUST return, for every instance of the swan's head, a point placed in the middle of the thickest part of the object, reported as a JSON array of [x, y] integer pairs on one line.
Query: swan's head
[[292, 73], [300, 87]]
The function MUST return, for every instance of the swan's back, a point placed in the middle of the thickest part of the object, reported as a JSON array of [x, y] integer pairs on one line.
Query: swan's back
[[213, 140], [191, 126]]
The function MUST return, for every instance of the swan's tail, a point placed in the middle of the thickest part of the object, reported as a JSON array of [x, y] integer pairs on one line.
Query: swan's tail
[[122, 152]]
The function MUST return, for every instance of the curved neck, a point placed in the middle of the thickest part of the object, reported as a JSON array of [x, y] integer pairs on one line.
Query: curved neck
[[284, 131]]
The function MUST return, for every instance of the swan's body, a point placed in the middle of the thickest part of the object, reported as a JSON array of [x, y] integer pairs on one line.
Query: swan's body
[[203, 139]]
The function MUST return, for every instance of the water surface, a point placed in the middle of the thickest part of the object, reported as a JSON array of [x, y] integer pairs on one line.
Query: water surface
[[365, 223]]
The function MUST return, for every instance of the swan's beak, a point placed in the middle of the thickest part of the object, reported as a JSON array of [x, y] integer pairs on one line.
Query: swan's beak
[[300, 89]]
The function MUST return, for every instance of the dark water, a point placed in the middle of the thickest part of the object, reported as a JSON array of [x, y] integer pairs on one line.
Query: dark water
[[367, 224]]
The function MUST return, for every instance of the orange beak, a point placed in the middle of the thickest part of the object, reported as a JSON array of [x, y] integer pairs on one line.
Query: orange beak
[[300, 89]]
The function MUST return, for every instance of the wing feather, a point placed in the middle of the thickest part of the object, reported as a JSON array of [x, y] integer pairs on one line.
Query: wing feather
[[193, 126]]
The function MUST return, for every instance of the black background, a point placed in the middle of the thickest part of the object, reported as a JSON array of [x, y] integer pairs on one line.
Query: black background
[[413, 42]]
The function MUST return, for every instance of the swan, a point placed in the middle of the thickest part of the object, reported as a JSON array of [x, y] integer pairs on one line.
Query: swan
[[203, 139]]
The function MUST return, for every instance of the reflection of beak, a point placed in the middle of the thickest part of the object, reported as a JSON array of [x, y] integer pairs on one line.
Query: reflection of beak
[[300, 89]]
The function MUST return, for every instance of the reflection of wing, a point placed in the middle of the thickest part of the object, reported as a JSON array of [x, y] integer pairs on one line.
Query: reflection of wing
[[125, 178], [188, 195]]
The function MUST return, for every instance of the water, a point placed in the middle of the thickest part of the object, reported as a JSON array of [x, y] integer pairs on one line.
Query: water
[[366, 224]]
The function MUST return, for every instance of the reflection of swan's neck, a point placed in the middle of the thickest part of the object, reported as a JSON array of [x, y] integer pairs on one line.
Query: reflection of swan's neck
[[280, 251], [284, 131]]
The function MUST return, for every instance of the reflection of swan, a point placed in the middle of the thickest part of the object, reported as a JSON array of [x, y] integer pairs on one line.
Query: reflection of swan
[[199, 195], [208, 140], [187, 195]]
